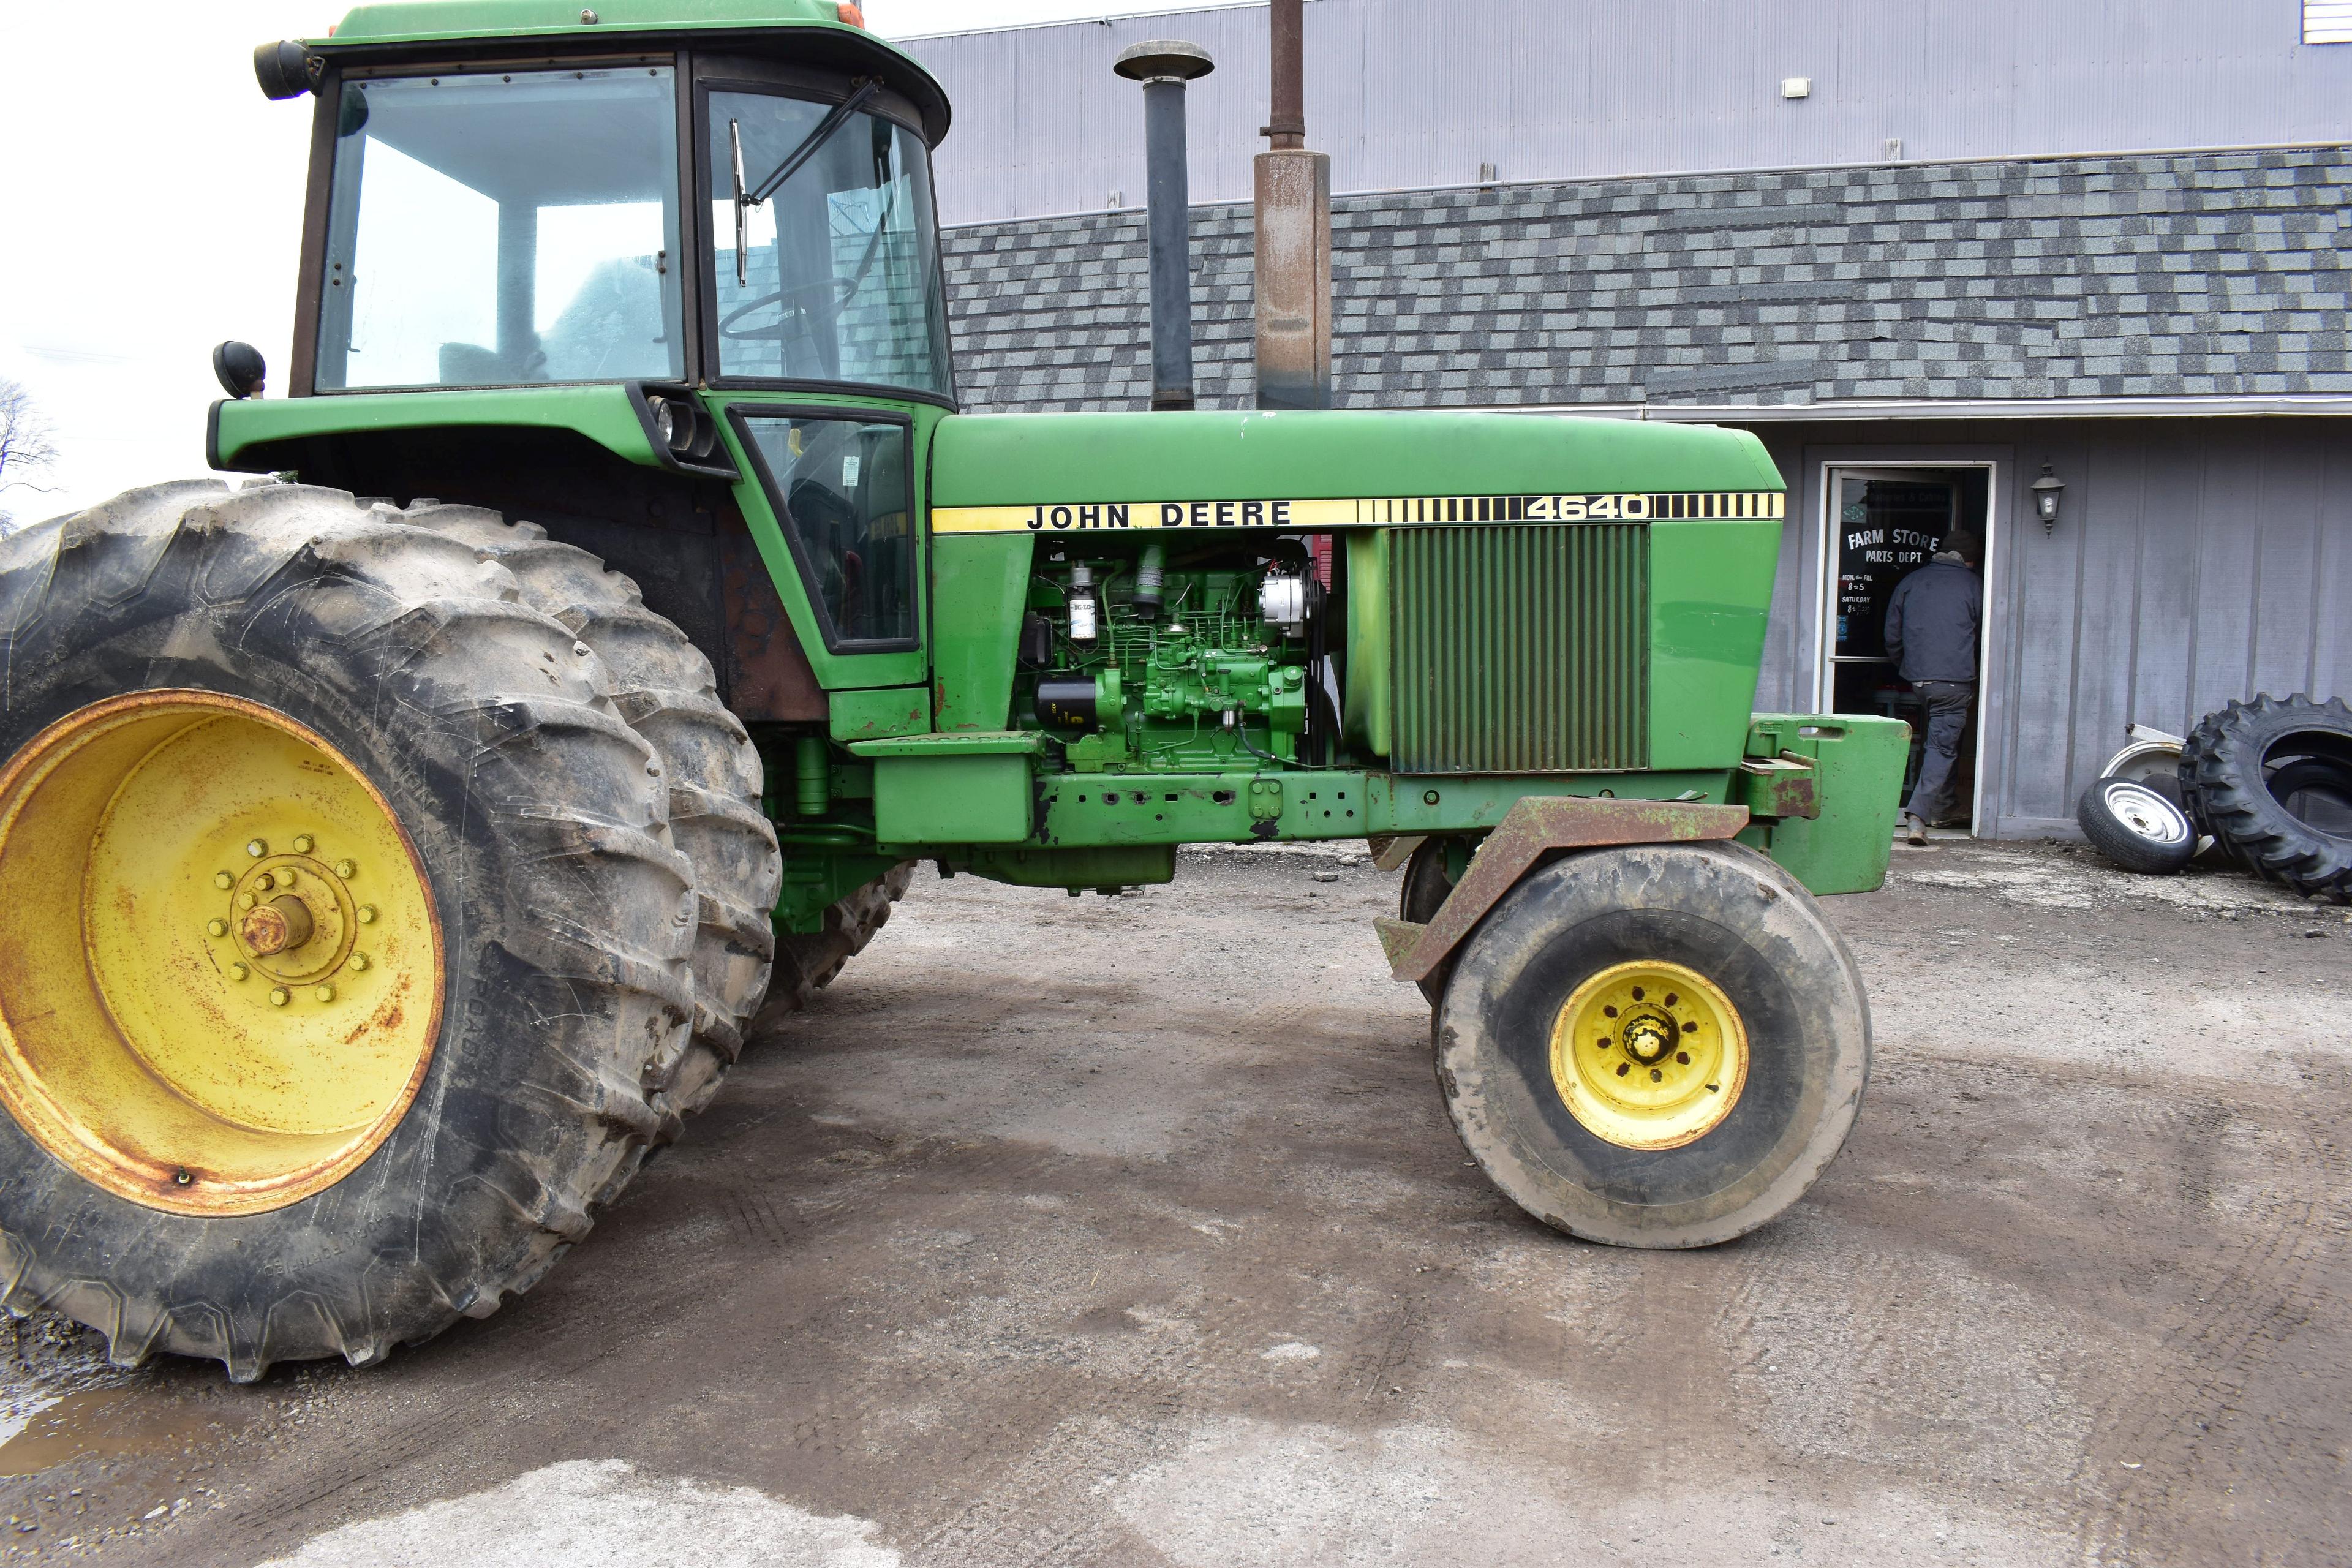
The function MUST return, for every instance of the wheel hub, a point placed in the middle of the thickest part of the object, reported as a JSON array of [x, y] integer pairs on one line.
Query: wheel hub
[[1649, 1054], [198, 1010], [281, 923]]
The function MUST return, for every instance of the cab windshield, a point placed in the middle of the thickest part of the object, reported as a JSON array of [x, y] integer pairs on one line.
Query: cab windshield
[[824, 245], [497, 230]]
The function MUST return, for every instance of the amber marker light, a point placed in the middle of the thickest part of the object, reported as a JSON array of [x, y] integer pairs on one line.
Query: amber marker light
[[851, 14]]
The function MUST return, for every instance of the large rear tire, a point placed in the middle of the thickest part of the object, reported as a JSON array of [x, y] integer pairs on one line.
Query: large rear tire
[[388, 938], [1659, 1046], [663, 685]]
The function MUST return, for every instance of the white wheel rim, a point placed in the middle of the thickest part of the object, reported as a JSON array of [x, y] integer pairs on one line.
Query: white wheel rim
[[2147, 813], [2142, 760]]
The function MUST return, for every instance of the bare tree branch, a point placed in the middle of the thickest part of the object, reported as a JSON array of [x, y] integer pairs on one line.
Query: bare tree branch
[[28, 443]]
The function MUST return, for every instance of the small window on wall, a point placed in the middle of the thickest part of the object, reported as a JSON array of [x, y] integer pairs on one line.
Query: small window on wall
[[2327, 21], [842, 491]]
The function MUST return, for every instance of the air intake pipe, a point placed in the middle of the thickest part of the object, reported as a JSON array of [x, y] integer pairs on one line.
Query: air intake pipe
[[1164, 65]]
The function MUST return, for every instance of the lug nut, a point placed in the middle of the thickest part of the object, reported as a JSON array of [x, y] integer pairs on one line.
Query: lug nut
[[256, 848], [264, 882], [360, 961], [216, 928], [327, 994], [246, 900], [304, 843], [223, 880], [347, 870], [238, 972], [280, 996], [1656, 1075], [286, 876], [367, 914]]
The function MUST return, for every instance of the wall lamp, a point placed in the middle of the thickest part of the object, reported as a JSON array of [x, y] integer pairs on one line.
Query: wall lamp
[[2047, 489]]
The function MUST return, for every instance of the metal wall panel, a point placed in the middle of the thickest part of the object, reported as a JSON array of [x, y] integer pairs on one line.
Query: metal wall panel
[[1409, 94], [2194, 562]]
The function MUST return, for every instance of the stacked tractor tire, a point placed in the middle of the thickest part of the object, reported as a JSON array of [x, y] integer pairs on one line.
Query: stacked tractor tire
[[2264, 786]]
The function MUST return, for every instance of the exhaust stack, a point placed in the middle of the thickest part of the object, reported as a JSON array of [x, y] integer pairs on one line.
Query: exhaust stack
[[1164, 65], [1294, 235]]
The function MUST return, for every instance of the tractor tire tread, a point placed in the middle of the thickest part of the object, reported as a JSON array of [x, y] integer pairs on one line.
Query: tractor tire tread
[[665, 687]]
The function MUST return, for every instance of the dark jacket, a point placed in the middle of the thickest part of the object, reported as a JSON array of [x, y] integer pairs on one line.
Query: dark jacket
[[1931, 622]]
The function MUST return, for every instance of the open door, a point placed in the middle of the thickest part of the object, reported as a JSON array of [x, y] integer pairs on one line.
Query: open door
[[1883, 524]]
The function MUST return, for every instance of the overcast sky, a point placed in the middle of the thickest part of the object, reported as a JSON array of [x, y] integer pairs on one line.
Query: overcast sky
[[151, 205]]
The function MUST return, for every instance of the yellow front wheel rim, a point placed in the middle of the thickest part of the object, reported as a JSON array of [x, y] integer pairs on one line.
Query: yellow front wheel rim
[[220, 964], [1649, 1054]]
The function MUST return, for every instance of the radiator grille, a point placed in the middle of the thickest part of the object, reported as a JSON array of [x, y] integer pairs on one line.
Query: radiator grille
[[1519, 648]]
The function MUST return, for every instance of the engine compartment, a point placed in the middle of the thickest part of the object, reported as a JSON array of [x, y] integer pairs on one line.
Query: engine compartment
[[1182, 658]]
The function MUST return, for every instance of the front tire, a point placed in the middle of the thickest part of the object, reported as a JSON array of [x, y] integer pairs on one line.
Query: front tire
[[200, 688], [1656, 1046]]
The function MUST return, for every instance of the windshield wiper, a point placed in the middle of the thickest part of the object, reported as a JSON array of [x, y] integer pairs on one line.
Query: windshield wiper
[[746, 200]]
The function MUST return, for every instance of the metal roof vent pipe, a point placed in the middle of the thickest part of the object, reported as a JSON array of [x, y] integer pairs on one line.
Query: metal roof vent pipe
[[1294, 234], [1163, 66]]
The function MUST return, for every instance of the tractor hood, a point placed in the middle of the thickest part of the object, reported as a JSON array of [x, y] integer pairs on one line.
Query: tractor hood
[[1005, 473]]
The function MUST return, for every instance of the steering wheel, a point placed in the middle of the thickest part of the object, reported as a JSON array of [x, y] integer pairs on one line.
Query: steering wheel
[[794, 318]]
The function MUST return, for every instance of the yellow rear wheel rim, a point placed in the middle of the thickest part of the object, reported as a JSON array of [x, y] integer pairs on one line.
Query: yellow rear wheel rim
[[1650, 1055], [220, 964]]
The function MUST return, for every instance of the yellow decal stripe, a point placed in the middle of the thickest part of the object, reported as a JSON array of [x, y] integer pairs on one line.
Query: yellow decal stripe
[[1369, 511]]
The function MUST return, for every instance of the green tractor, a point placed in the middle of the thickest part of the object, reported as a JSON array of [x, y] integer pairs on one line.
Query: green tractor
[[396, 847]]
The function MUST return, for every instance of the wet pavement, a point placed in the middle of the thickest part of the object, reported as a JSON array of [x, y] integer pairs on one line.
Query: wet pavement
[[1132, 1231]]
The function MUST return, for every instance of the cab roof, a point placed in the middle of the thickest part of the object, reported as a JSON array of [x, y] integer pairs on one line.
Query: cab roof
[[401, 27]]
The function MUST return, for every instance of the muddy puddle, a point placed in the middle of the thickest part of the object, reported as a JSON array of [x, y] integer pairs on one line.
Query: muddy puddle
[[111, 1424]]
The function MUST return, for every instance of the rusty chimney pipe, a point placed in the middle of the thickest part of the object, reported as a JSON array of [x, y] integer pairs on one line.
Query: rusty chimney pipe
[[1163, 66], [1294, 234], [1287, 125]]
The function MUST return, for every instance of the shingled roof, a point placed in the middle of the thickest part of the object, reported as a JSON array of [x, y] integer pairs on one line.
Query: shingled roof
[[2141, 276]]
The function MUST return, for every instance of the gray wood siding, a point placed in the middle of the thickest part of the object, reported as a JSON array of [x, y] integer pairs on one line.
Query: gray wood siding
[[2195, 562]]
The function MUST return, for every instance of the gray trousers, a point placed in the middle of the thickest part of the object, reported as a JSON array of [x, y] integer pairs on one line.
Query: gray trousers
[[1949, 702]]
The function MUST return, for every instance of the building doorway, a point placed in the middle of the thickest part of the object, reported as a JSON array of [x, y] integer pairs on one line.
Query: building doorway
[[1883, 523]]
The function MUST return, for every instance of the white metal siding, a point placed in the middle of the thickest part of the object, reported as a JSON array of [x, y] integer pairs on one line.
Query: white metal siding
[[1409, 94], [2327, 21]]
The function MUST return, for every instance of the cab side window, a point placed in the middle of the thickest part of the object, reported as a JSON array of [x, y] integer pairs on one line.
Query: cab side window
[[843, 491]]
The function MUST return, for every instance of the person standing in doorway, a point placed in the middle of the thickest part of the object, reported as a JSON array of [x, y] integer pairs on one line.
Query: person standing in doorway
[[1931, 635]]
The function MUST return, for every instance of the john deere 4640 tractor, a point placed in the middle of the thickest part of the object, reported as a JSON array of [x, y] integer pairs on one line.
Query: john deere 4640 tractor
[[382, 877]]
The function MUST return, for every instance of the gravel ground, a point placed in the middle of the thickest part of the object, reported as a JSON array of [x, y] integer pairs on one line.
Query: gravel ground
[[1132, 1232]]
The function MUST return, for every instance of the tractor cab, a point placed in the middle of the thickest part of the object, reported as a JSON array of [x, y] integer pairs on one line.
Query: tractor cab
[[745, 205]]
